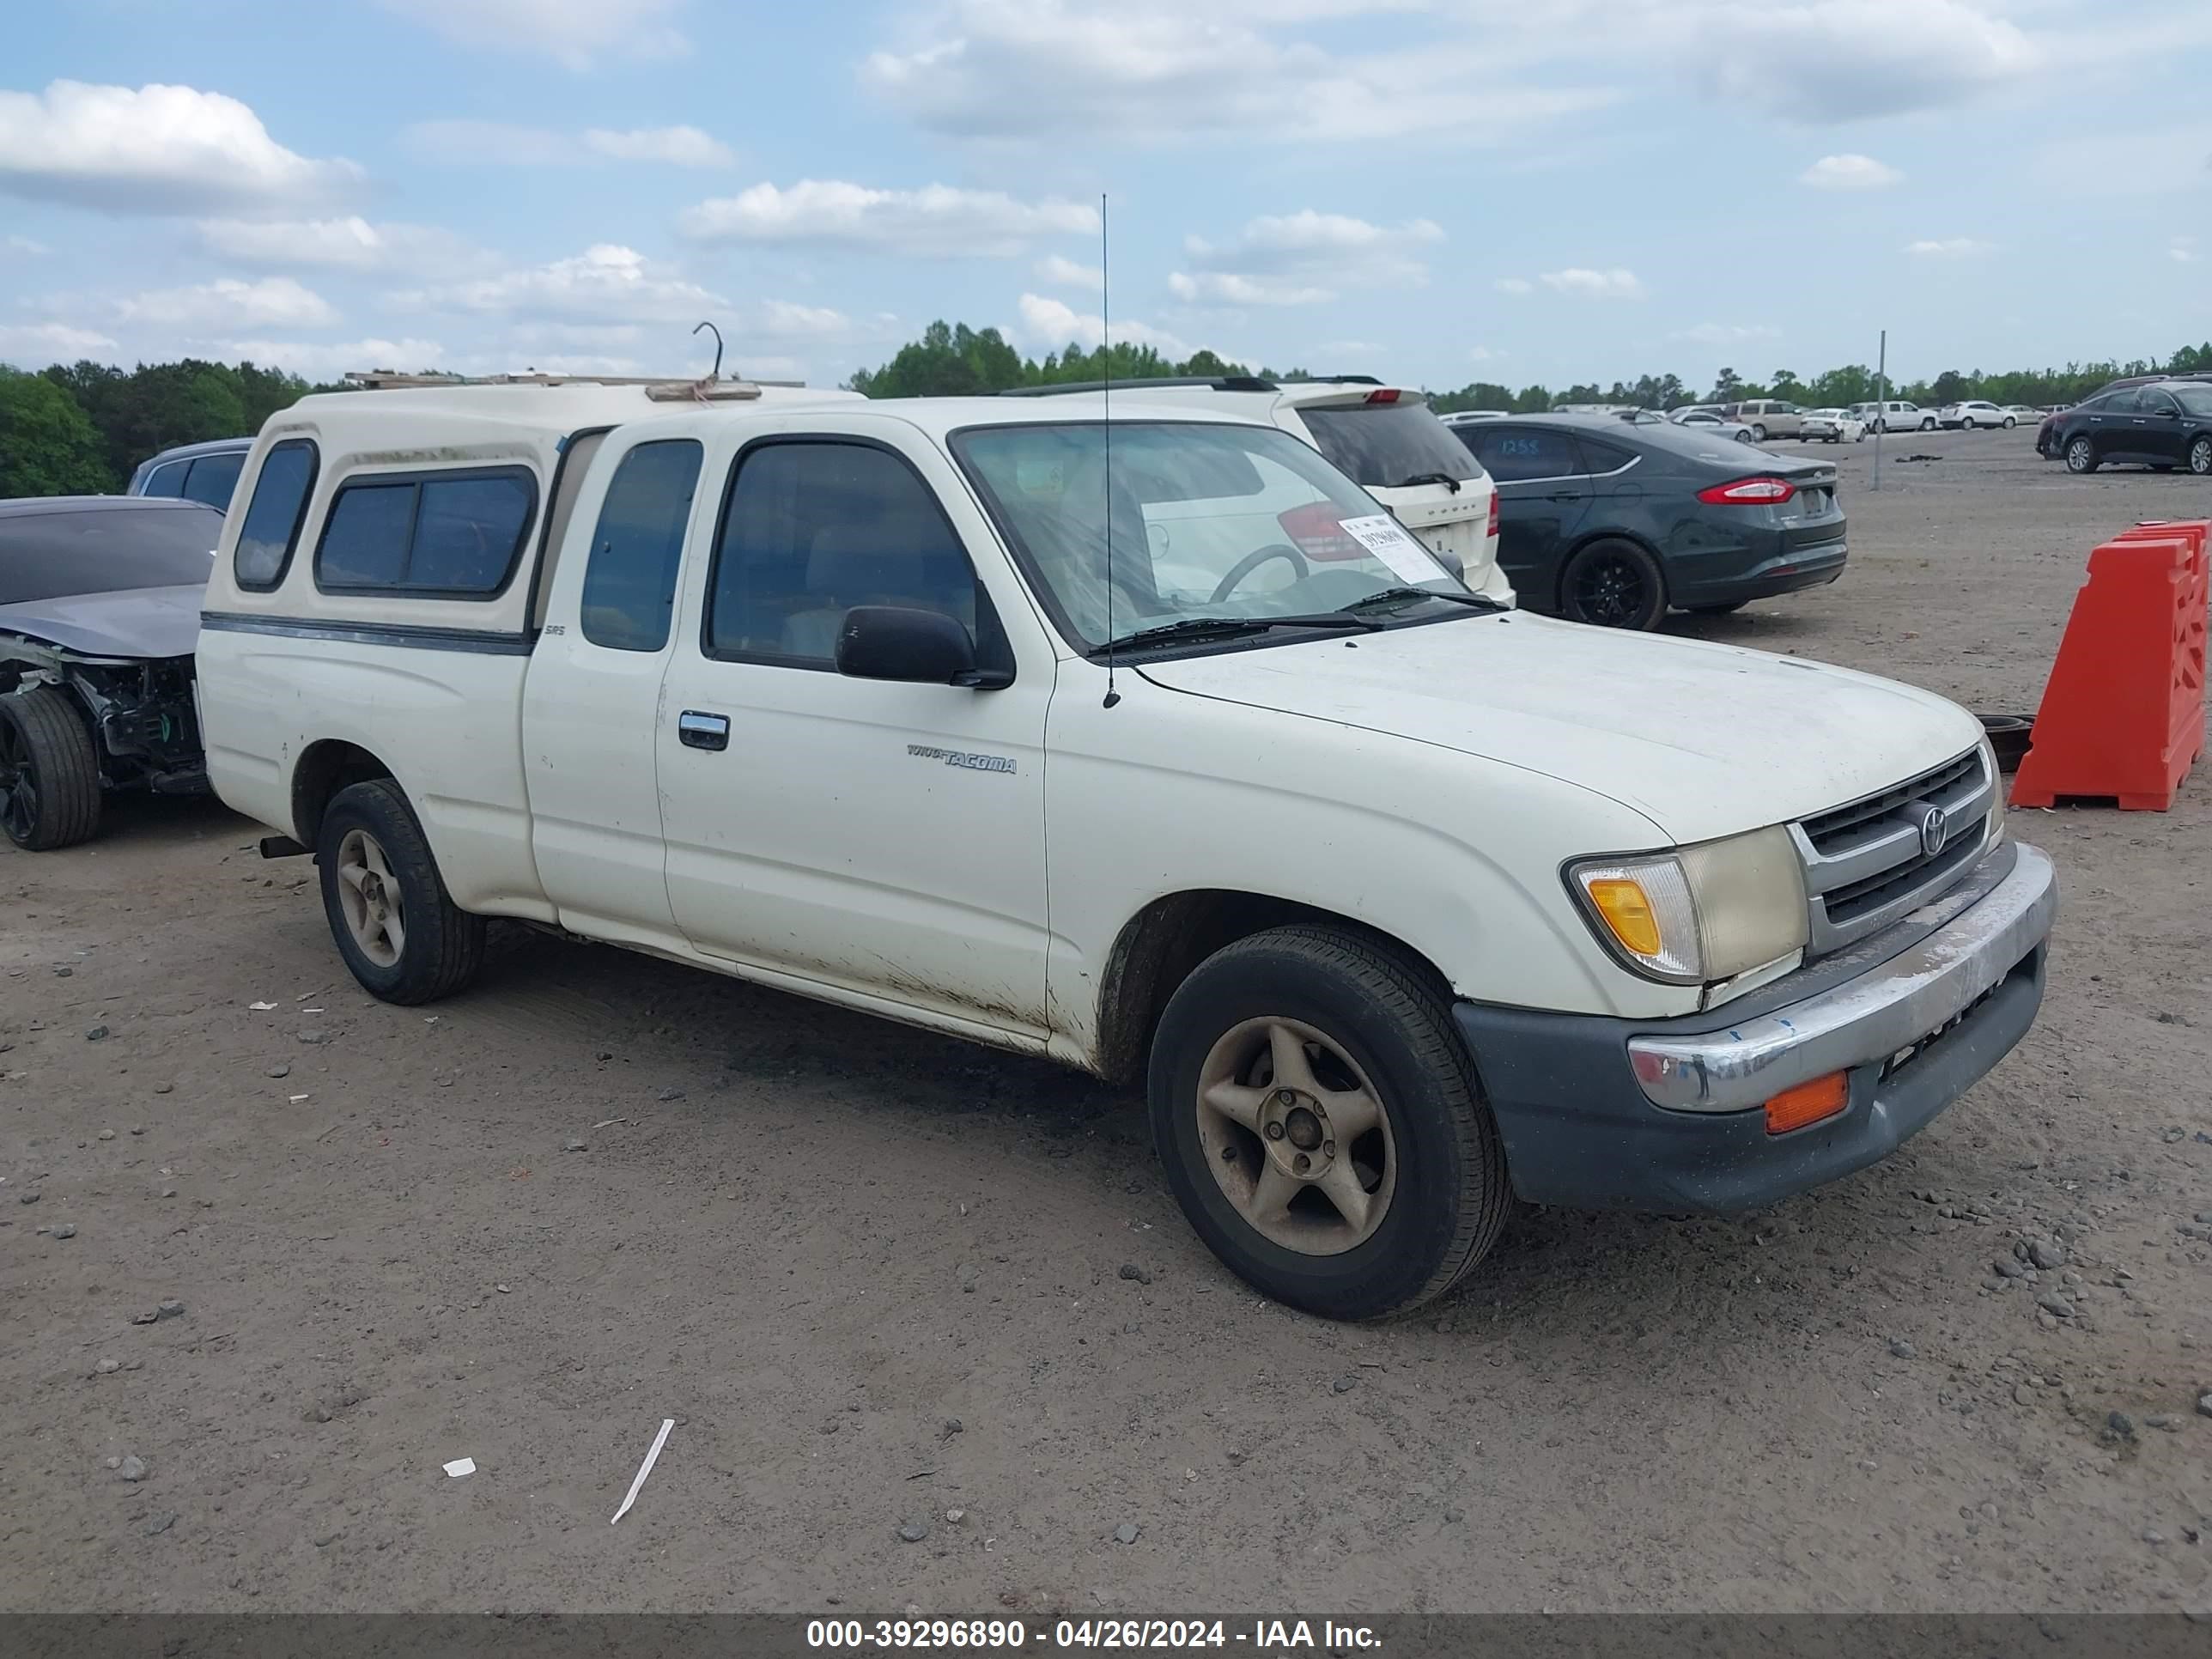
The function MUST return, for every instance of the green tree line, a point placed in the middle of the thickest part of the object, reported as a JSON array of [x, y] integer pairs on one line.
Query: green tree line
[[82, 428], [955, 360]]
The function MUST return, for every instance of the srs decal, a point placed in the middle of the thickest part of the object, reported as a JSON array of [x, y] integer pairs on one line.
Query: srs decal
[[957, 757]]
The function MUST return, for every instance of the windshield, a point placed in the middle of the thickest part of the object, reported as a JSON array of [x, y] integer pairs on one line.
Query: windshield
[[1384, 446], [1207, 522], [104, 549]]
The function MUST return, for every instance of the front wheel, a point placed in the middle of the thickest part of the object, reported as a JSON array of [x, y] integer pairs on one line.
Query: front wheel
[[49, 771], [2200, 458], [1758, 434], [392, 919], [1929, 424], [1321, 1125], [1612, 583], [2081, 455]]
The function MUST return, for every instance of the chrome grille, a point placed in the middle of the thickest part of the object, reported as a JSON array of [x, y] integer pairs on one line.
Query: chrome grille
[[1867, 862]]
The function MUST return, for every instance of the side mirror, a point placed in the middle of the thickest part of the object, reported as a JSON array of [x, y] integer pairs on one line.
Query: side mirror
[[918, 647]]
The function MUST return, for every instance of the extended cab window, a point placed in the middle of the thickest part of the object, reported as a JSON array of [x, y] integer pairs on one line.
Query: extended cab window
[[814, 527], [271, 529], [629, 586], [1514, 455], [451, 535]]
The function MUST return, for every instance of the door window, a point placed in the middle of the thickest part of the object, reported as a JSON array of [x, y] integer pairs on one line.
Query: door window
[[813, 528], [629, 586], [167, 480], [1514, 455]]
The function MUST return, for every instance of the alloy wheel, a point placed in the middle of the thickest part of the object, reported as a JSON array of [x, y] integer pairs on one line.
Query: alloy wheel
[[2200, 457], [1296, 1138], [1609, 591], [19, 784], [369, 894]]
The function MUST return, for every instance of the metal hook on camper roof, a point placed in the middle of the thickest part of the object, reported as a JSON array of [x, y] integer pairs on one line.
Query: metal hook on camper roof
[[717, 333]]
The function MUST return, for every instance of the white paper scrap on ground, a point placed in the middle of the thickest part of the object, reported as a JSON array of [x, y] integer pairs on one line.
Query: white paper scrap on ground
[[461, 1466], [644, 1469], [1387, 540], [261, 1007]]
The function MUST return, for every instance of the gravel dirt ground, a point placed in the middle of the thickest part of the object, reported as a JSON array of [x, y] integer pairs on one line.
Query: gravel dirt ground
[[877, 1278]]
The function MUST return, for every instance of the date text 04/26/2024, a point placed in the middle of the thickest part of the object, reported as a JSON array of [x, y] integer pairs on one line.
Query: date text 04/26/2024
[[1261, 1637]]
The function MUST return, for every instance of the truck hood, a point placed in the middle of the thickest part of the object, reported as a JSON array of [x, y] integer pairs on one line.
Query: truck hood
[[134, 622], [1704, 739]]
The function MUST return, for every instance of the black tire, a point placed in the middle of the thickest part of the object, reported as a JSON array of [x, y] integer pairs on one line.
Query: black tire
[[2081, 454], [1612, 583], [2200, 458], [1927, 423], [2011, 421], [442, 946], [49, 771], [1758, 434], [1729, 609], [1450, 1195]]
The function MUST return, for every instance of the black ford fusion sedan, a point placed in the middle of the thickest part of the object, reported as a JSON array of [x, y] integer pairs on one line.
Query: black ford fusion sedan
[[1613, 522]]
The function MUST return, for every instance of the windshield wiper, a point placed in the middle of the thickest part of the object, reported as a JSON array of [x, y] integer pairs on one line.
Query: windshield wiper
[[1397, 596], [1443, 479], [1225, 628]]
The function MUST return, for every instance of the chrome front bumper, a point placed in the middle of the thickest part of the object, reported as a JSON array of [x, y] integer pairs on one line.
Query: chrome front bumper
[[1885, 1011]]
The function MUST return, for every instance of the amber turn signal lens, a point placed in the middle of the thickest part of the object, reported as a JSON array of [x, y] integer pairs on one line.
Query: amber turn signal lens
[[1808, 1103], [1628, 911]]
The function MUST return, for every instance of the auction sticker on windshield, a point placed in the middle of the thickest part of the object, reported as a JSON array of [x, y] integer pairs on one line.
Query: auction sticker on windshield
[[1387, 539]]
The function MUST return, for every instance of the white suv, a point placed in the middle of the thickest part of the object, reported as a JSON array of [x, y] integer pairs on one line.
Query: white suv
[[1386, 438]]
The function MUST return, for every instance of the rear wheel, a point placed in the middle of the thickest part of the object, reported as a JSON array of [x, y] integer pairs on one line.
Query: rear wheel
[[1758, 435], [392, 919], [2200, 458], [2010, 422], [49, 771], [1612, 583], [2081, 455], [1319, 1123]]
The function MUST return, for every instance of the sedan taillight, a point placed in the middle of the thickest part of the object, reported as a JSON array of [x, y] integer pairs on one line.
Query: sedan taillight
[[1748, 492]]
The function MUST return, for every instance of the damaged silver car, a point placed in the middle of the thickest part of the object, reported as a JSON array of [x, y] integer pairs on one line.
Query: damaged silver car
[[99, 613]]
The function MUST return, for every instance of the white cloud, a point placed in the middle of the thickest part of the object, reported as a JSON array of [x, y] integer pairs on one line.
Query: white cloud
[[937, 221], [782, 319], [1485, 354], [351, 243], [228, 302], [576, 33], [153, 149], [2182, 250], [1229, 287], [1052, 323], [1061, 272], [605, 281], [680, 146], [42, 343], [1514, 285], [1850, 172], [1948, 247], [1716, 334], [487, 143], [1161, 70], [25, 247], [1614, 284], [1302, 259]]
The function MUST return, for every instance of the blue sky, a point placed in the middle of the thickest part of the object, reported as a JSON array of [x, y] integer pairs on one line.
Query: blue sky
[[1433, 191]]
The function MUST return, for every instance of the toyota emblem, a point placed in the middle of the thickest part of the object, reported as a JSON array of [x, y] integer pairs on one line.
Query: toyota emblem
[[1935, 830]]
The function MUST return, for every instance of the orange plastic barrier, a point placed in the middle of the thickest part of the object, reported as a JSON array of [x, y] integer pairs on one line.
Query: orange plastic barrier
[[2122, 714]]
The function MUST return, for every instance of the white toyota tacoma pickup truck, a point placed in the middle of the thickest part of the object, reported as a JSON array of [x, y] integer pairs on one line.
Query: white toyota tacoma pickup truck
[[1137, 737]]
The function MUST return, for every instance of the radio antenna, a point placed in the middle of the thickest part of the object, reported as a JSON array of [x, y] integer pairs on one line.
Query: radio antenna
[[1106, 421]]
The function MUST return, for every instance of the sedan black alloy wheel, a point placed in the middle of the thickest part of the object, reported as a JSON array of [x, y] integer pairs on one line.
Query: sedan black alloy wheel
[[1614, 584]]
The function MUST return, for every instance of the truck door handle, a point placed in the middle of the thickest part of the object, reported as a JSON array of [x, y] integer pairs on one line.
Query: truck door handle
[[696, 729]]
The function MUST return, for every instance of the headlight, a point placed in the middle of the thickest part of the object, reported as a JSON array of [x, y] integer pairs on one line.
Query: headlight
[[1699, 914], [1997, 794]]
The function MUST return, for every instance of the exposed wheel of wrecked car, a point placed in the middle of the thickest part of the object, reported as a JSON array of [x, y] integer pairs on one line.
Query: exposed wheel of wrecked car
[[1320, 1124], [1612, 583], [393, 921], [49, 771]]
